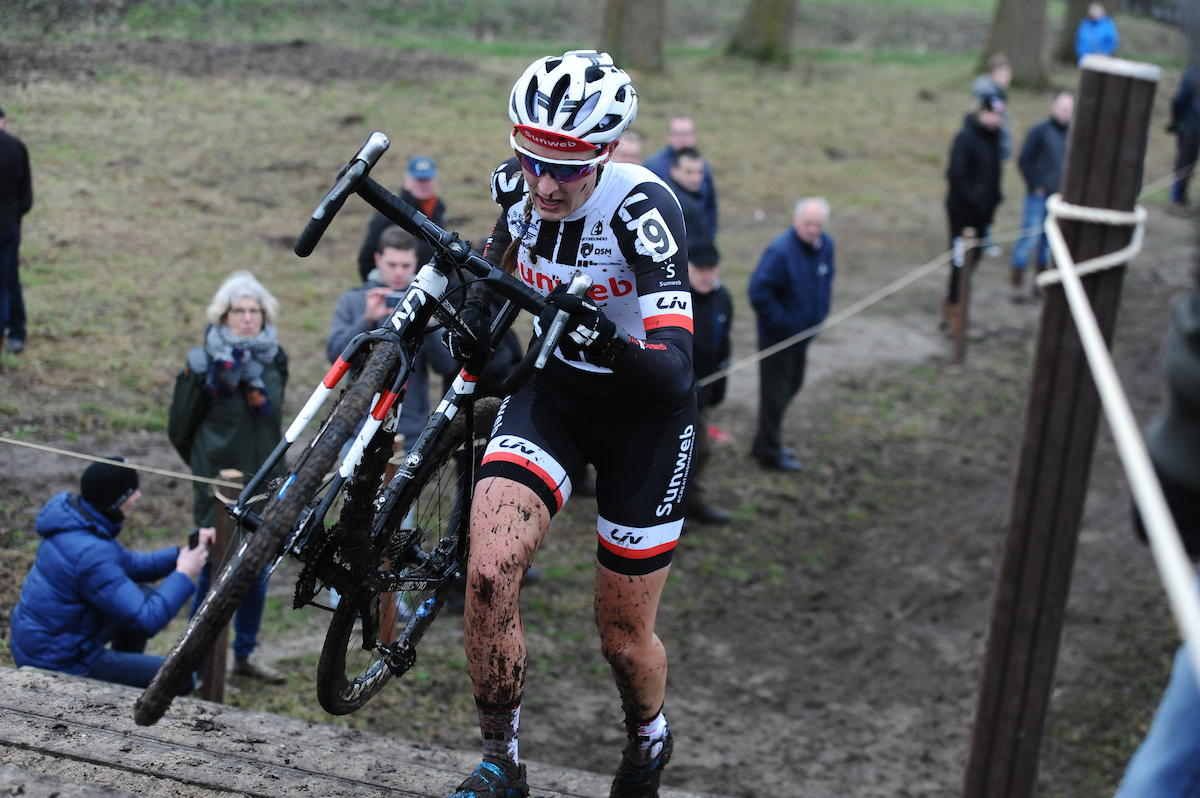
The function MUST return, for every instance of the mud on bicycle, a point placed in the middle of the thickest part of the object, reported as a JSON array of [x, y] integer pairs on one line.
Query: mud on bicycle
[[390, 538]]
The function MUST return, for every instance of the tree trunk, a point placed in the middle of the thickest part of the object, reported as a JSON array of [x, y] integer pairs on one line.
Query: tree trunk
[[1018, 30], [765, 32], [633, 33], [1064, 50]]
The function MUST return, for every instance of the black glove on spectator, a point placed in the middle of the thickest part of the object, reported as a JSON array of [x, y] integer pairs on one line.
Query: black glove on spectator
[[587, 330]]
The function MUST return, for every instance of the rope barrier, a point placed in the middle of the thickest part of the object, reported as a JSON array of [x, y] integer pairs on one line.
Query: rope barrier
[[836, 318], [149, 469], [1169, 556]]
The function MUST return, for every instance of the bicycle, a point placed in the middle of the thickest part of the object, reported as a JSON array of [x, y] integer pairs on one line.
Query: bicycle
[[390, 538]]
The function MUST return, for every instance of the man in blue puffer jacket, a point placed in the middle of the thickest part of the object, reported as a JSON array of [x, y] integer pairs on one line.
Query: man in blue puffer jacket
[[85, 589]]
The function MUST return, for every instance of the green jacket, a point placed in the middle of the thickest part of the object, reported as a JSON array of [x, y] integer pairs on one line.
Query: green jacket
[[215, 432]]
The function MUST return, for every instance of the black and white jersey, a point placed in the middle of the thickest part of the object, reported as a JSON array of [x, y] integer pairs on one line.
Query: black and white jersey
[[629, 237]]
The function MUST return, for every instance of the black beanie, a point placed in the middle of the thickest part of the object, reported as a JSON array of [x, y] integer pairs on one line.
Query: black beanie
[[106, 486]]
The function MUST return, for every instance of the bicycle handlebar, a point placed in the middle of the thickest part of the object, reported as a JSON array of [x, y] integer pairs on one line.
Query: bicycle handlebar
[[355, 179], [355, 171]]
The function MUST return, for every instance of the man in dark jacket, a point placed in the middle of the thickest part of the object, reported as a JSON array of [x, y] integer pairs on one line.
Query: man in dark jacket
[[1185, 124], [1041, 164], [86, 590], [712, 316], [686, 179], [681, 132], [420, 191], [791, 291], [366, 307], [974, 175], [16, 198]]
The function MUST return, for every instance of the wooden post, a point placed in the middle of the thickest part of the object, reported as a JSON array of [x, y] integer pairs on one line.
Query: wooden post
[[963, 289], [214, 664], [1105, 155]]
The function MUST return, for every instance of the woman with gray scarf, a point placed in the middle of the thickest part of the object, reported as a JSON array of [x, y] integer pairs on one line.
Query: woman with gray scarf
[[244, 371]]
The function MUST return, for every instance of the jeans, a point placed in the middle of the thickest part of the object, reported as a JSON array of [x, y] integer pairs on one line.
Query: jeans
[[249, 615], [125, 663], [12, 305], [1033, 214], [1167, 764]]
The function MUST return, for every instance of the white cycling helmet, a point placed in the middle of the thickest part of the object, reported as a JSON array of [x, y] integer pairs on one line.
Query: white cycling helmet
[[576, 102]]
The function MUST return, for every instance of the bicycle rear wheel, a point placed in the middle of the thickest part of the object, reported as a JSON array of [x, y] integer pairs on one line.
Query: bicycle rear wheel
[[418, 552], [305, 478]]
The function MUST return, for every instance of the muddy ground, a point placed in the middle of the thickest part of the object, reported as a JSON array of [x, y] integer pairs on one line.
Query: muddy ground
[[828, 642]]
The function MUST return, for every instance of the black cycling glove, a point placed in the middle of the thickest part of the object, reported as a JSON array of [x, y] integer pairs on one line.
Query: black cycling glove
[[588, 330], [476, 317]]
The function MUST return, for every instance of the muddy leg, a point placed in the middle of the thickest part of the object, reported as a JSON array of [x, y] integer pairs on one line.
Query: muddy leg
[[508, 522], [625, 610]]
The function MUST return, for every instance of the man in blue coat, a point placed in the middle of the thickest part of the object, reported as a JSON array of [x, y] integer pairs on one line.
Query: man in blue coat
[[86, 590], [681, 133], [1097, 33], [791, 291]]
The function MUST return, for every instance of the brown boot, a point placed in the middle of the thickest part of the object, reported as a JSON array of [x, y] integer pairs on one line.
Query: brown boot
[[1018, 286]]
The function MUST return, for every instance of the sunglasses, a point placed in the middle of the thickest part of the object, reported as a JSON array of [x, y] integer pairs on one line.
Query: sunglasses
[[562, 173]]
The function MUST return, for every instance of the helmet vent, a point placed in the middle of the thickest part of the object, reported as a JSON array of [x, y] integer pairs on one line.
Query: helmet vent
[[583, 111], [556, 96], [531, 100], [593, 73], [552, 64], [620, 95]]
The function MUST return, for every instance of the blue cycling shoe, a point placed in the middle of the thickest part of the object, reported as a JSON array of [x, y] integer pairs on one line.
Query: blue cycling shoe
[[494, 778], [641, 781]]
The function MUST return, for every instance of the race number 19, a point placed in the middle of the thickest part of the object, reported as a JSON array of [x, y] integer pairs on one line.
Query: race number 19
[[655, 237]]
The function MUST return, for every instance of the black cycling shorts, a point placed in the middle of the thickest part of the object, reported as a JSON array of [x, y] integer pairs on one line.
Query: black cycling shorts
[[543, 438]]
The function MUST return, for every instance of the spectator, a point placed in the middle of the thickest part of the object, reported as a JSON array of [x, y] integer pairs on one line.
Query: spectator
[[685, 179], [995, 84], [712, 316], [16, 198], [1185, 124], [1041, 163], [681, 132], [629, 148], [420, 191], [366, 307], [86, 590], [1167, 764], [974, 176], [791, 291], [1097, 33], [242, 372]]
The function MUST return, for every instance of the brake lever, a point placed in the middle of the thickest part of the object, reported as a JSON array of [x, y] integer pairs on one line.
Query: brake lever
[[580, 284]]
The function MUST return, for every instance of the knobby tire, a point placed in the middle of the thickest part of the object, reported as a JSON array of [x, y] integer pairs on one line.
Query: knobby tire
[[227, 592], [342, 686]]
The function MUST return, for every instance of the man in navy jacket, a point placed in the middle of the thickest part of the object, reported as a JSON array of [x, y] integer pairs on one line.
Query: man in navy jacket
[[86, 590], [681, 133], [791, 291]]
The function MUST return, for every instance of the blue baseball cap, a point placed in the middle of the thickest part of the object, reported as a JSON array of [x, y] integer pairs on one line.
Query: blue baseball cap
[[422, 168]]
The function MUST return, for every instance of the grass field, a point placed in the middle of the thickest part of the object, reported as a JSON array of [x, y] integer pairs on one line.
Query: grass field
[[159, 170]]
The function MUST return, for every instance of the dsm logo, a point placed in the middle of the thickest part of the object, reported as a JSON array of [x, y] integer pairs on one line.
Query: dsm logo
[[587, 250]]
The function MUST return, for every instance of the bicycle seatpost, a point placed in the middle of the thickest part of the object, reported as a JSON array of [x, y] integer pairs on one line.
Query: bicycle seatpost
[[580, 284]]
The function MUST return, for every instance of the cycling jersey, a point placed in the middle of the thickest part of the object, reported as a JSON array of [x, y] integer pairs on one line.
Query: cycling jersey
[[635, 421], [629, 237]]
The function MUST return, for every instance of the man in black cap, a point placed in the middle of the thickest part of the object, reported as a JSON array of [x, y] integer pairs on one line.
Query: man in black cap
[[712, 318], [420, 191], [86, 590], [16, 198]]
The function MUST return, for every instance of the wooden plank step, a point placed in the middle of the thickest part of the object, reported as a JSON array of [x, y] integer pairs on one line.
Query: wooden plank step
[[29, 784], [83, 731]]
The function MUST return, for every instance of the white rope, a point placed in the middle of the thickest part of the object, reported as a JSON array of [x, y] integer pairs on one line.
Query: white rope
[[1057, 208], [1169, 555], [149, 469]]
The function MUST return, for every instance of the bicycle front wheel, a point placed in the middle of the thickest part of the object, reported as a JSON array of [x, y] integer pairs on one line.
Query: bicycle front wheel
[[305, 478], [420, 555]]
